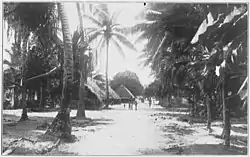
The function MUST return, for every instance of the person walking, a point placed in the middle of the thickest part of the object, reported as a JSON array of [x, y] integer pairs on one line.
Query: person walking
[[150, 102], [135, 105]]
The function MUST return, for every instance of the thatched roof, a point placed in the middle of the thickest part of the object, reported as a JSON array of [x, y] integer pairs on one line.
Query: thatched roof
[[98, 88], [94, 88], [124, 93], [112, 93]]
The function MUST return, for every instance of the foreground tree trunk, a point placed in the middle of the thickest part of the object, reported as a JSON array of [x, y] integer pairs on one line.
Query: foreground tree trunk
[[24, 115], [208, 113], [15, 96], [41, 97], [107, 81], [226, 116], [81, 106], [60, 126]]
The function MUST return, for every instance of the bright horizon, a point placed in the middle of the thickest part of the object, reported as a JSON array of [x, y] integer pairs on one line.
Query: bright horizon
[[116, 62]]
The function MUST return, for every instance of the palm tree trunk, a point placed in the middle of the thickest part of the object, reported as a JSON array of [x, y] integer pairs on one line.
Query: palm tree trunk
[[226, 116], [81, 106], [60, 126], [107, 81], [24, 115], [41, 97], [208, 113]]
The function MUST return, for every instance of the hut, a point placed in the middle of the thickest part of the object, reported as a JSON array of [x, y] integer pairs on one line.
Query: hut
[[96, 94], [124, 93], [113, 96]]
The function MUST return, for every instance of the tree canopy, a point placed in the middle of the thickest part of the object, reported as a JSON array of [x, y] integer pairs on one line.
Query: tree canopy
[[128, 79]]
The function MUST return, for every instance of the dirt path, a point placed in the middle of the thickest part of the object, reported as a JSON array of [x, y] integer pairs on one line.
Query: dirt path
[[119, 131], [129, 132]]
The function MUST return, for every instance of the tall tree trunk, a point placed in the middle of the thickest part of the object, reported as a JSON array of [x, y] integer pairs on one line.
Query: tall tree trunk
[[60, 126], [15, 95], [208, 113], [25, 56], [107, 80], [81, 106], [226, 115], [41, 97], [192, 105]]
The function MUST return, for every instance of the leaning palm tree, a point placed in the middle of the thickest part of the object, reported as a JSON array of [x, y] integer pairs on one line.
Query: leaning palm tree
[[108, 32]]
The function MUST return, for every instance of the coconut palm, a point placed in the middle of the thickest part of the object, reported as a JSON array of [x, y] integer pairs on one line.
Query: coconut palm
[[108, 32], [46, 20], [83, 78], [217, 37], [22, 23], [165, 48], [61, 124]]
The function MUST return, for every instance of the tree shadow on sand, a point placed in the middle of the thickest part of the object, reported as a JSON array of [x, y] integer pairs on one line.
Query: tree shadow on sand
[[236, 140], [239, 129], [34, 141], [179, 130], [214, 149], [197, 149]]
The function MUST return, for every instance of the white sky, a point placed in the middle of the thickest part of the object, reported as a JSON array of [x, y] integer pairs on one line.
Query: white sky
[[116, 62]]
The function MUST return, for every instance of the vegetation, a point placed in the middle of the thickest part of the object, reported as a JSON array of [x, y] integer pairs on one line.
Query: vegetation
[[107, 31], [190, 49], [195, 51], [128, 79]]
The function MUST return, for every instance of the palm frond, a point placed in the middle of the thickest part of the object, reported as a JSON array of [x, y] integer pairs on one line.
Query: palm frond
[[119, 48], [102, 13], [102, 45], [92, 19], [124, 40], [115, 15], [143, 25], [90, 30], [94, 35]]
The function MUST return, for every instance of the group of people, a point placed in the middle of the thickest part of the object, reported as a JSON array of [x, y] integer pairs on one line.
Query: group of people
[[133, 102]]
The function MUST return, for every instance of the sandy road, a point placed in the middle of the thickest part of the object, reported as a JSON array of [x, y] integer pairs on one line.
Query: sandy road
[[128, 132]]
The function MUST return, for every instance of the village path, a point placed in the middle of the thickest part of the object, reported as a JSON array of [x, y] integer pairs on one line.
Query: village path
[[126, 132], [119, 131]]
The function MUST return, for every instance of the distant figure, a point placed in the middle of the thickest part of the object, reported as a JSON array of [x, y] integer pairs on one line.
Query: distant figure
[[135, 104], [150, 102], [124, 105], [130, 106]]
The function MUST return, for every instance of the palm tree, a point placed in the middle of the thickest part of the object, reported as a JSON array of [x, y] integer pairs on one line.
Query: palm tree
[[45, 19], [81, 105], [214, 44], [109, 32], [22, 23], [61, 124], [165, 47]]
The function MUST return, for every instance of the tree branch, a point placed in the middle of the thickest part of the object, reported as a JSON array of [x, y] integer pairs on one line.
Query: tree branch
[[42, 75], [35, 77]]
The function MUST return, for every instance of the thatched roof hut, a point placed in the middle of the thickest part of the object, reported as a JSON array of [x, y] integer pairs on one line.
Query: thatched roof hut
[[112, 93], [96, 94], [124, 93]]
